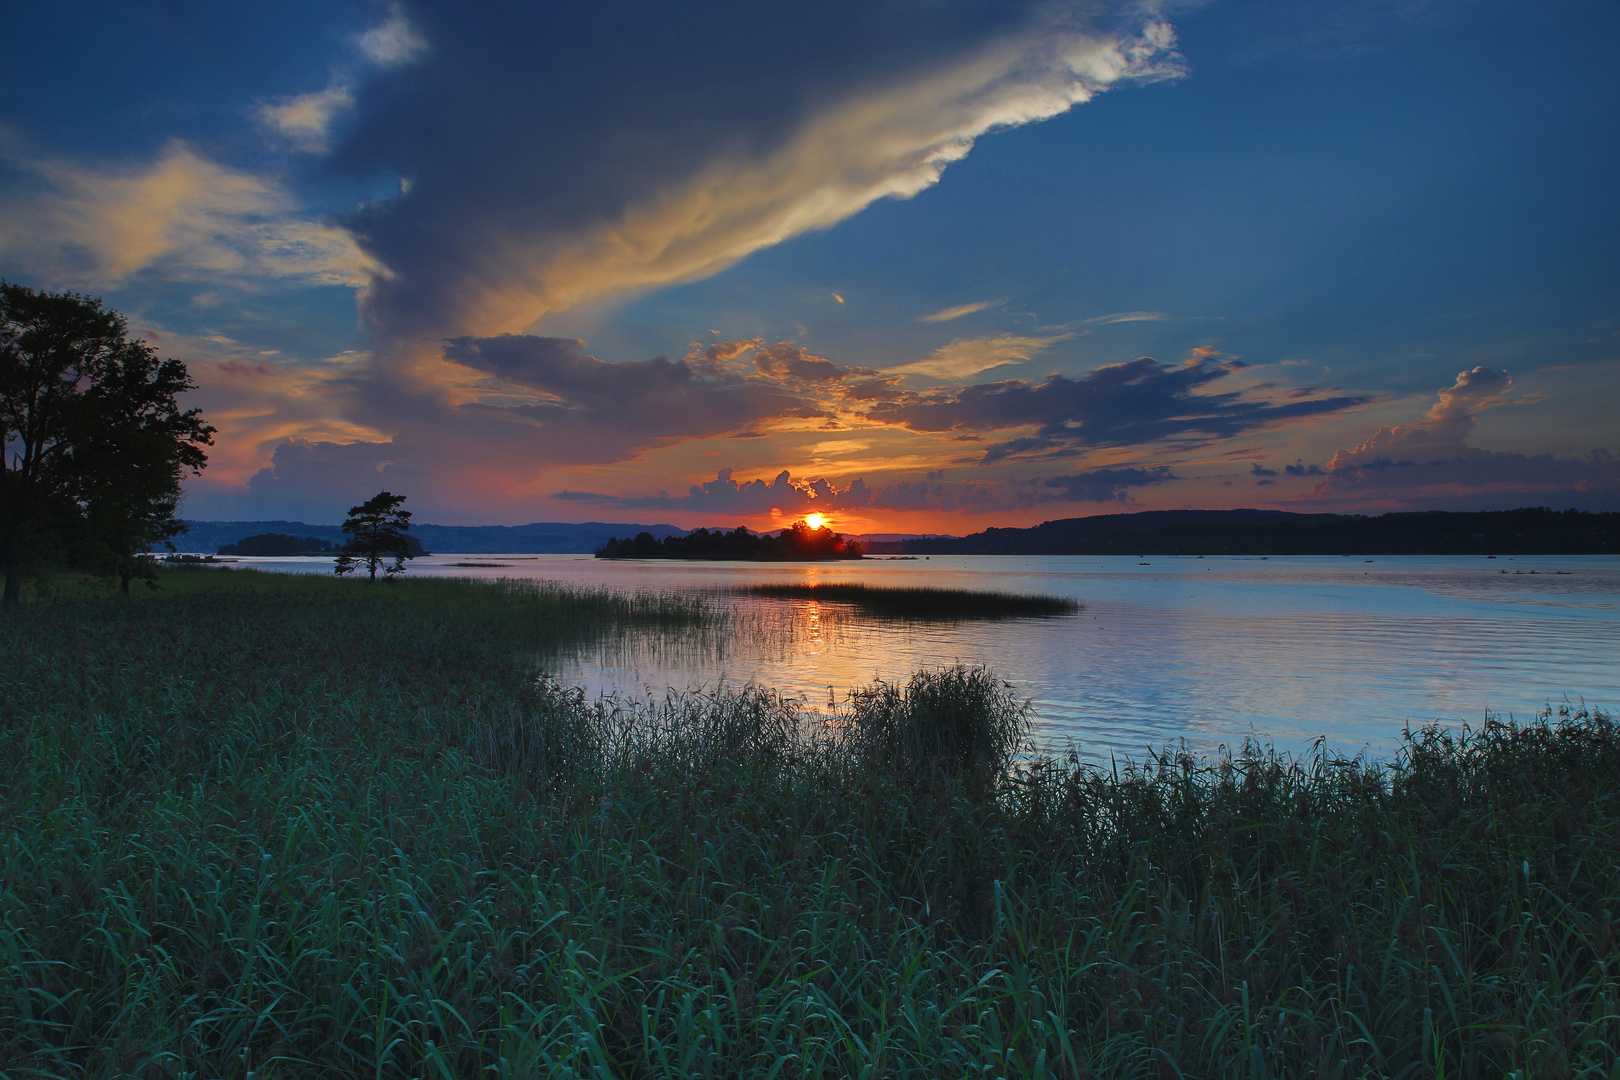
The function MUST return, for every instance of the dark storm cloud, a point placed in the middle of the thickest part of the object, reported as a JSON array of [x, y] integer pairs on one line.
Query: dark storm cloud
[[1102, 485], [658, 398], [321, 480], [1138, 402]]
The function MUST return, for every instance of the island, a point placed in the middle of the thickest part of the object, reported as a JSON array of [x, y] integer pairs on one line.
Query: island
[[798, 543]]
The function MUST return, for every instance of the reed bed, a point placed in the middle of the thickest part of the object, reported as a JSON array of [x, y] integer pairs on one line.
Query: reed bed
[[922, 603], [261, 829]]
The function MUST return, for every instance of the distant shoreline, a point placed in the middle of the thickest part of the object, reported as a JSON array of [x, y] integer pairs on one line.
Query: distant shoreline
[[1528, 531]]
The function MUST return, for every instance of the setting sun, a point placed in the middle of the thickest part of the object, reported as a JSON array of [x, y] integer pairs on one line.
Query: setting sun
[[815, 521]]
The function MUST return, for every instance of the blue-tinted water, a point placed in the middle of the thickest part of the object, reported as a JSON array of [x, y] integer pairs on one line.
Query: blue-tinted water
[[1211, 650]]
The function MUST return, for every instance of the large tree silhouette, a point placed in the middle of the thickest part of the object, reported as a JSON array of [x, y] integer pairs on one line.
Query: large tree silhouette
[[96, 443]]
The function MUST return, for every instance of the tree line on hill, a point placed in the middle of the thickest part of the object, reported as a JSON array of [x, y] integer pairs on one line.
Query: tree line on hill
[[269, 544], [1526, 531], [800, 543], [277, 544]]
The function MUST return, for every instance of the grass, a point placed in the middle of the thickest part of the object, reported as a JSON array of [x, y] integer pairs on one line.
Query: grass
[[922, 603], [269, 826]]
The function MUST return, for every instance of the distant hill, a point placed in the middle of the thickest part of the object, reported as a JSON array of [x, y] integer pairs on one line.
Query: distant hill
[[540, 538], [1527, 531]]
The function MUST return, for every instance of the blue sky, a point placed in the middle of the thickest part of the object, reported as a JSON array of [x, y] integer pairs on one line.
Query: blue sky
[[944, 264]]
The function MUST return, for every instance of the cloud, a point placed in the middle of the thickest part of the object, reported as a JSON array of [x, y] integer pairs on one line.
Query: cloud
[[785, 360], [964, 358], [1442, 432], [751, 498], [393, 42], [305, 120], [789, 497], [1128, 316], [1259, 470], [548, 180], [182, 217], [1138, 402], [609, 408], [1299, 468], [947, 314], [1429, 463], [1103, 485]]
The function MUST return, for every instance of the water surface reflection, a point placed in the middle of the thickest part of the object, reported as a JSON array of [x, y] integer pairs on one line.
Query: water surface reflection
[[1209, 650]]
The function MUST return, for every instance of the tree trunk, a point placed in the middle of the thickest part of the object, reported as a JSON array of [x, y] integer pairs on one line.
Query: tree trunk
[[13, 594]]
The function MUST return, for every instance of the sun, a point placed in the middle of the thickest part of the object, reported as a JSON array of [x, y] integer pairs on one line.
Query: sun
[[815, 521]]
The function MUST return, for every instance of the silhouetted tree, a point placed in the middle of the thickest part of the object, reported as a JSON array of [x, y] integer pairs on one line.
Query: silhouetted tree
[[378, 528], [95, 441]]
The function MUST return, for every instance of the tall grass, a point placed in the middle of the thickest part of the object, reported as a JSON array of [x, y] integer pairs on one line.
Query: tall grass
[[279, 829]]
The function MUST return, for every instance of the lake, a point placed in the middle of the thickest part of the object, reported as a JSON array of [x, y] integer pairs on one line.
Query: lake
[[1212, 650]]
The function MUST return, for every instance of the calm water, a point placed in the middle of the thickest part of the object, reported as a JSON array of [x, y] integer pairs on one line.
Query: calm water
[[1211, 650]]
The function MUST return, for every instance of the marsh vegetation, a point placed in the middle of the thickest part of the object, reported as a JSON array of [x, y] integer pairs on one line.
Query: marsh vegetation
[[274, 825], [921, 603]]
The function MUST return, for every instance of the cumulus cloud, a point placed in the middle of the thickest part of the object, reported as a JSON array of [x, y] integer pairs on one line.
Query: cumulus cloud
[[1138, 402], [962, 359], [947, 314], [1429, 463], [544, 181], [181, 217]]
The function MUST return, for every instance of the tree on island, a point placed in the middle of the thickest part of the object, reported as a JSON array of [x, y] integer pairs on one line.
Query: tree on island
[[377, 528], [95, 441], [799, 543]]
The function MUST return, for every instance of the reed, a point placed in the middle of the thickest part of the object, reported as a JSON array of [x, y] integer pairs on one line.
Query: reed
[[289, 828], [922, 603]]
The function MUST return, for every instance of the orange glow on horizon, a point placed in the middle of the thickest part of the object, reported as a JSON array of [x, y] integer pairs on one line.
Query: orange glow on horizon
[[815, 521]]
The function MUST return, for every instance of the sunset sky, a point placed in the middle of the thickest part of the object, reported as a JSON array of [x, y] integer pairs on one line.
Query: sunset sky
[[919, 265]]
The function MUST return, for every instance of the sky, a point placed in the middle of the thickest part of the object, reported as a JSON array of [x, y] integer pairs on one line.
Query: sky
[[918, 265]]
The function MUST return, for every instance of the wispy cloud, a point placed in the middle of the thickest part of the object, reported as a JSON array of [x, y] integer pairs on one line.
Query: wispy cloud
[[965, 358], [947, 314], [1129, 316], [181, 217]]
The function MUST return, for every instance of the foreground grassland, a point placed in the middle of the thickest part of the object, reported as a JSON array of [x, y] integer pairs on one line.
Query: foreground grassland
[[285, 827]]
